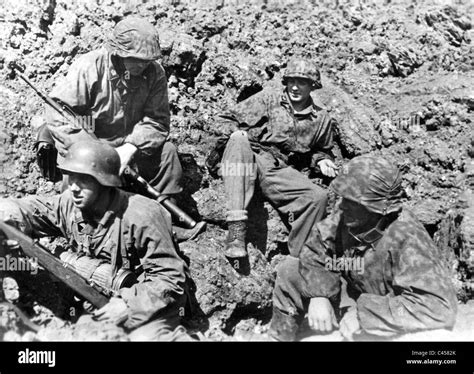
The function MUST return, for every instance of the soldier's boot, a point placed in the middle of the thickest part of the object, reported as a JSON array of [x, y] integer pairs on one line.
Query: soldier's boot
[[283, 327], [235, 245]]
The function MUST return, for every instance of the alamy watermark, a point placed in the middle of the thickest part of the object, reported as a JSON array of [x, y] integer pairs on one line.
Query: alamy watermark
[[408, 123], [237, 169], [355, 264], [12, 263]]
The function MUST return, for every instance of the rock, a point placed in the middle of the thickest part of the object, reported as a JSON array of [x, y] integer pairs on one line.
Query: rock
[[183, 55], [222, 293], [355, 121]]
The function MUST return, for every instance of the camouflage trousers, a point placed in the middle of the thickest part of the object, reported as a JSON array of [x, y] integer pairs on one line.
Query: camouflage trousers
[[299, 202]]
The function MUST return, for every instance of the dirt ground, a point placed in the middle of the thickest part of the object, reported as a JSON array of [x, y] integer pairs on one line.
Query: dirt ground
[[397, 75]]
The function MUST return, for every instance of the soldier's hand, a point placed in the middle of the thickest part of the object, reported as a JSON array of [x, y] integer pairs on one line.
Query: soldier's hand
[[350, 324], [126, 153], [328, 168], [114, 311], [321, 315]]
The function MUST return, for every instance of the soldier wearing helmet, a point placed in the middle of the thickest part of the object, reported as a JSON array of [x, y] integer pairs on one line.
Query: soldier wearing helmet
[[105, 223], [396, 279], [120, 91], [274, 137]]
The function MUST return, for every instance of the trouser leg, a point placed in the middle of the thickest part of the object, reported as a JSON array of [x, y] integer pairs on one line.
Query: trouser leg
[[167, 178], [289, 306], [165, 327], [238, 172], [300, 202]]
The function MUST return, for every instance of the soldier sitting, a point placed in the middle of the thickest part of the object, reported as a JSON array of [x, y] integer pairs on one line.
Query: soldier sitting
[[395, 275], [279, 133], [126, 230]]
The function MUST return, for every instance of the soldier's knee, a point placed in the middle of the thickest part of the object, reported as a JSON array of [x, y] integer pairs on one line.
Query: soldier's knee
[[169, 151], [287, 271], [239, 135], [316, 195]]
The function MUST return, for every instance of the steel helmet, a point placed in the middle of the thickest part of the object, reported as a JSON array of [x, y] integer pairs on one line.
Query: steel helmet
[[372, 182], [135, 37], [303, 68], [93, 158]]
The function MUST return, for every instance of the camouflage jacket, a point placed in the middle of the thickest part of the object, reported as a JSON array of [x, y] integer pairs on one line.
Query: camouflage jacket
[[273, 126], [119, 109], [136, 228], [399, 280]]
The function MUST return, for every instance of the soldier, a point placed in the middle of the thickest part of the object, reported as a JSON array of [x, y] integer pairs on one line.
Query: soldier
[[395, 275], [119, 93], [279, 134], [126, 230]]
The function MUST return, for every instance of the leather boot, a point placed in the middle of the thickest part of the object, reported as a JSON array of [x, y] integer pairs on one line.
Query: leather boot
[[235, 245], [283, 327]]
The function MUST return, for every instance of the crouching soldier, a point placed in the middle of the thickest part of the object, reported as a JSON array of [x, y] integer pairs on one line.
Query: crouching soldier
[[396, 278], [279, 133], [128, 231]]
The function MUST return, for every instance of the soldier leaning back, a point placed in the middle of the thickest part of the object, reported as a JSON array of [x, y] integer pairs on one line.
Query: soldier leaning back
[[278, 134]]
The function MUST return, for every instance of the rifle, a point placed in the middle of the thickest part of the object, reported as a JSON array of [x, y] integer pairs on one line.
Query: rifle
[[64, 110], [52, 264], [71, 117]]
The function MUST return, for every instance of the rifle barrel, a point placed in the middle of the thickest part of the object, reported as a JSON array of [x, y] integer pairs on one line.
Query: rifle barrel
[[55, 266]]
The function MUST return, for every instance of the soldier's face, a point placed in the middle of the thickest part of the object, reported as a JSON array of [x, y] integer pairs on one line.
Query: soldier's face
[[135, 66], [299, 89], [357, 217], [85, 190]]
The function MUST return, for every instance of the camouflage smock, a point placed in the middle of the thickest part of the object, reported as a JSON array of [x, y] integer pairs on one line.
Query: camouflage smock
[[404, 285], [273, 126], [124, 109]]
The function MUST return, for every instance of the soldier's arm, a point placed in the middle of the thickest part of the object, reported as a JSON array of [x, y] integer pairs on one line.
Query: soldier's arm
[[150, 133], [35, 216], [162, 282], [74, 90], [324, 141], [424, 297], [321, 279]]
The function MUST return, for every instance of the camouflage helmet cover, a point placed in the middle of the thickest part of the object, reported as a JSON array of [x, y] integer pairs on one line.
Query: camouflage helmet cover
[[372, 182], [93, 158], [303, 68], [135, 37]]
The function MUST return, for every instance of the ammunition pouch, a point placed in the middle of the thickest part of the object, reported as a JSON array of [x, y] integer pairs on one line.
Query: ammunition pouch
[[99, 273]]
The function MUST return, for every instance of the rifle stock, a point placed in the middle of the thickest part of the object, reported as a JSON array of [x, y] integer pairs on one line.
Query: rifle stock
[[52, 264]]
